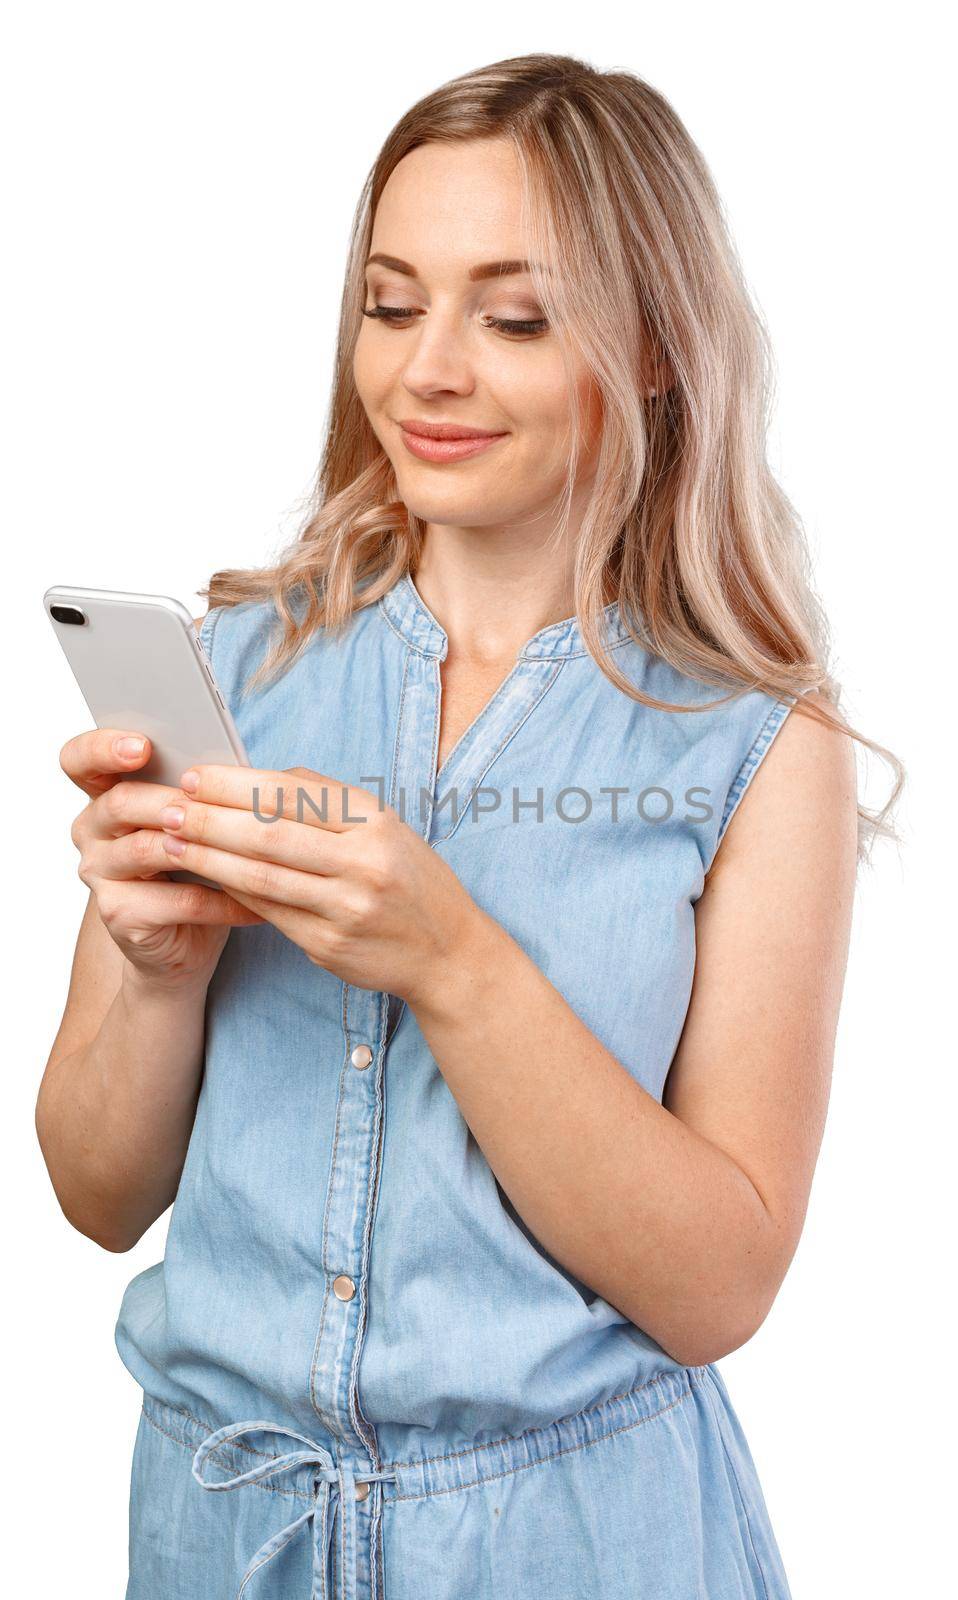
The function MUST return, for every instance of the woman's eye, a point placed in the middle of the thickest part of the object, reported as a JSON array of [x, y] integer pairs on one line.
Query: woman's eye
[[389, 313], [517, 325], [512, 326]]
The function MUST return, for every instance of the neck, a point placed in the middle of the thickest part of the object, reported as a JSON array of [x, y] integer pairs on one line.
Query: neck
[[489, 594]]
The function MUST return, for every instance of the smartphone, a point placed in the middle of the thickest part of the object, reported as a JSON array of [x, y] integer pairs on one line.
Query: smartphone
[[139, 664]]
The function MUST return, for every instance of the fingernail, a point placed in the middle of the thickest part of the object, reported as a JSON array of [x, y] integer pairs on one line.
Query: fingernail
[[172, 816], [173, 845], [190, 781], [128, 747]]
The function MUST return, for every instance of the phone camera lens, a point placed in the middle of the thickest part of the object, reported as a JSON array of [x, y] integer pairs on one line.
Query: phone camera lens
[[71, 614]]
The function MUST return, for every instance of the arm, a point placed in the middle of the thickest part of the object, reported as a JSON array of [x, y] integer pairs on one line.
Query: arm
[[118, 1094], [684, 1215], [116, 1103]]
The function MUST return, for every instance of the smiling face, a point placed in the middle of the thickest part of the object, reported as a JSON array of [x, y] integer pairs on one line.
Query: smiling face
[[446, 352]]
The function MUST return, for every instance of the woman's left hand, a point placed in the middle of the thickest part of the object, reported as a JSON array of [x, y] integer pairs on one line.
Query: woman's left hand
[[340, 874]]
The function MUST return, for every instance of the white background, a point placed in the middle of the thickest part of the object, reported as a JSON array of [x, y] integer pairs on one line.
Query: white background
[[178, 185]]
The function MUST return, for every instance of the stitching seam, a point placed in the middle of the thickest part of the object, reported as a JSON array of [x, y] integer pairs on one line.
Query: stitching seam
[[507, 737], [738, 1489], [586, 1444], [760, 744], [208, 629], [694, 1374], [419, 649]]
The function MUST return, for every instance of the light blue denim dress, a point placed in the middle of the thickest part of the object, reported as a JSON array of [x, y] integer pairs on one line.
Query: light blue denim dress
[[363, 1376]]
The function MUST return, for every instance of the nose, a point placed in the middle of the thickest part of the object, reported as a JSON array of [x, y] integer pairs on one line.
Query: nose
[[438, 358]]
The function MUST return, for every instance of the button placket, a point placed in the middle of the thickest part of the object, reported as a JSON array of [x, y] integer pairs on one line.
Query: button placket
[[347, 1222], [343, 1224]]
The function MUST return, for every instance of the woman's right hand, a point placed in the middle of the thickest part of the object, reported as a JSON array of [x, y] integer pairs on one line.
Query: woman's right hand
[[172, 933]]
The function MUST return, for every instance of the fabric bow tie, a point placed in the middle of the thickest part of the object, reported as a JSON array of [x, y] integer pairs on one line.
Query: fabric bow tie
[[328, 1475]]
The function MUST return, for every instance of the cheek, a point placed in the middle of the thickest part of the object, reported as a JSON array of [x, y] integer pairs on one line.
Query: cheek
[[363, 370], [547, 409], [369, 389], [590, 415], [375, 368], [537, 395]]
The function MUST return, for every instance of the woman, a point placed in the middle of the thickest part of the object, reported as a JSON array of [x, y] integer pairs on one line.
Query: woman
[[473, 1184]]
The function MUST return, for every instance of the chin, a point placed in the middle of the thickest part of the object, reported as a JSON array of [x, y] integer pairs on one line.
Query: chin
[[432, 505], [446, 516]]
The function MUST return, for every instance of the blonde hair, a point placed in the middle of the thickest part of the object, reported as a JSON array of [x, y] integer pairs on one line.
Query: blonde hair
[[686, 526]]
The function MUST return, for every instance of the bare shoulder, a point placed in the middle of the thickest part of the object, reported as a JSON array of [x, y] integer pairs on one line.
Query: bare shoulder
[[198, 623], [802, 803]]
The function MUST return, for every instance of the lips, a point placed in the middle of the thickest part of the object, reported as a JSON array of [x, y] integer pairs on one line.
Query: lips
[[445, 441], [447, 430]]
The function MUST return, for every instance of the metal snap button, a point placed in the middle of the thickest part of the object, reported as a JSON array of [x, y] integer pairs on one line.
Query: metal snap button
[[362, 1490], [343, 1287], [361, 1056]]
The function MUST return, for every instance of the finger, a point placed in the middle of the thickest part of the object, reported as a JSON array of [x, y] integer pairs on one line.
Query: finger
[[89, 758], [301, 796], [137, 854], [266, 879], [294, 923], [129, 804], [244, 833], [167, 904]]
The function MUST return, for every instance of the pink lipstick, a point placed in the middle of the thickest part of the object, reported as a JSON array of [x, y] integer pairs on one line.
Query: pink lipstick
[[445, 441]]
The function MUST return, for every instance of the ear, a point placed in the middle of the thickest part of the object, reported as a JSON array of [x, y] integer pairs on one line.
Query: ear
[[657, 375], [662, 379]]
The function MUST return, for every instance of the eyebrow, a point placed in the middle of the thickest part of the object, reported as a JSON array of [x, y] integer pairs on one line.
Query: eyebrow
[[486, 269]]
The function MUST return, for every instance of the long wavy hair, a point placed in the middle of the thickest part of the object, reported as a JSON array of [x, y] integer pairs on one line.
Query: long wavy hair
[[686, 526]]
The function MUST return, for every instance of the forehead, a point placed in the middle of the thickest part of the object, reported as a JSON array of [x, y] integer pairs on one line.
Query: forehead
[[451, 205]]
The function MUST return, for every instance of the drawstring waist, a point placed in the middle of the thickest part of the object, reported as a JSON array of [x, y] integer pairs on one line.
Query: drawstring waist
[[327, 1478], [457, 1467]]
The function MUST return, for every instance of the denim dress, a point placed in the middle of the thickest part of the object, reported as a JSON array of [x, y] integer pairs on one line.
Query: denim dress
[[363, 1376]]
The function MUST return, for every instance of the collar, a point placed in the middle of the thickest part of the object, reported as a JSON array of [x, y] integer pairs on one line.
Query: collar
[[407, 612]]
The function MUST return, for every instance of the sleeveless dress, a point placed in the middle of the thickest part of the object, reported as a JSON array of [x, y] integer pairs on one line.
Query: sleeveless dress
[[362, 1374]]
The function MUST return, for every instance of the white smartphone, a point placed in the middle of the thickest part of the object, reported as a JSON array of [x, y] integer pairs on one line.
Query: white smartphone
[[139, 663]]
